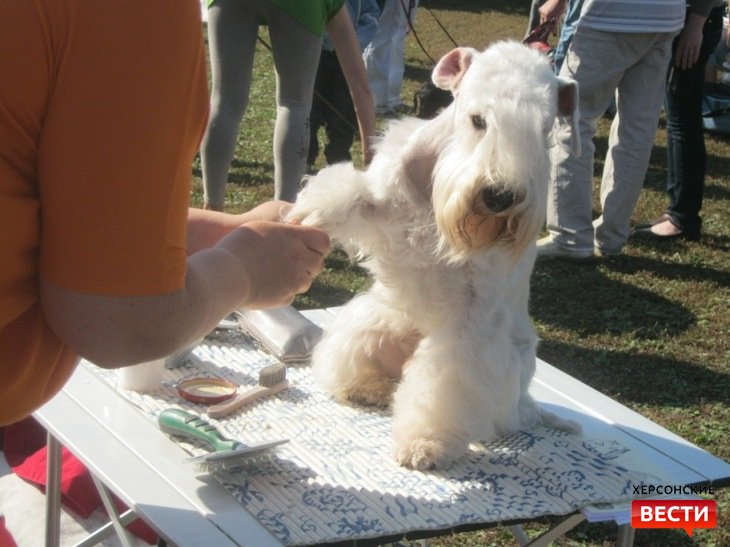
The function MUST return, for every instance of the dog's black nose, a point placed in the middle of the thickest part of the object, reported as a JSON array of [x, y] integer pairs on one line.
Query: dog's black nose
[[498, 199]]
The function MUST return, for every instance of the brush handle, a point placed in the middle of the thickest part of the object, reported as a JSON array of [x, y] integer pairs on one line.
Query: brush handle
[[241, 399], [174, 421]]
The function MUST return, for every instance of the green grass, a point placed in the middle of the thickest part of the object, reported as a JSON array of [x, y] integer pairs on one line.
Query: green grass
[[649, 328]]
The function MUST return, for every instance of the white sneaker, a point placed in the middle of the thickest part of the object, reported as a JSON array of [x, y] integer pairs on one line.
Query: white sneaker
[[547, 248]]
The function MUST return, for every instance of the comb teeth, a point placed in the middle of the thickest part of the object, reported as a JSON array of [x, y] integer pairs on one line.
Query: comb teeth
[[271, 375], [241, 458], [251, 462]]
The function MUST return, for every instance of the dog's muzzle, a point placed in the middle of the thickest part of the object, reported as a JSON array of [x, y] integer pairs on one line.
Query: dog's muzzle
[[498, 200]]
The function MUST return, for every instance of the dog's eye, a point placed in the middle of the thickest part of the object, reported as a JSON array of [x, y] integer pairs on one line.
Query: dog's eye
[[498, 200], [478, 122]]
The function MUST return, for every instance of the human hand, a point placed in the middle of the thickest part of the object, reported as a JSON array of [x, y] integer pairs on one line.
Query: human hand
[[206, 227], [279, 260], [552, 9], [689, 43], [274, 211]]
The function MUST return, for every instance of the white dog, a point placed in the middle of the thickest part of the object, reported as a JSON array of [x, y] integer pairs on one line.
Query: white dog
[[445, 219]]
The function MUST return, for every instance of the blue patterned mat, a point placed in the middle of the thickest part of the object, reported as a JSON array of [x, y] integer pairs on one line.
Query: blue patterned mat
[[336, 480]]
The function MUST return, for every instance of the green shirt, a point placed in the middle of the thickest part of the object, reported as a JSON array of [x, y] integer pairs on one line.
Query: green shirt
[[312, 14]]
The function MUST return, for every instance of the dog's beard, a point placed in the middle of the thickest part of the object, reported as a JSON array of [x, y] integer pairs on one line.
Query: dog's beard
[[478, 231], [465, 223], [512, 163]]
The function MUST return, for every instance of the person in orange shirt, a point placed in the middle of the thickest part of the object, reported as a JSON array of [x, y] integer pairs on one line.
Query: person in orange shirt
[[102, 109]]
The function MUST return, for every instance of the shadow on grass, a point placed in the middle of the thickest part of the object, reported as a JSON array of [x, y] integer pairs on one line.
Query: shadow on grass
[[250, 179], [715, 191], [671, 271], [581, 298], [253, 174], [716, 242], [417, 73], [584, 299], [239, 163], [646, 379]]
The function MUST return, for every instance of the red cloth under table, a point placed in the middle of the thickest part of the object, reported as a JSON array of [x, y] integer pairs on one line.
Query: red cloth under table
[[6, 540], [25, 450]]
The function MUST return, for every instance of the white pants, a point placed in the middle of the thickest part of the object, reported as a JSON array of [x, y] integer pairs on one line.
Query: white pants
[[384, 56], [633, 68]]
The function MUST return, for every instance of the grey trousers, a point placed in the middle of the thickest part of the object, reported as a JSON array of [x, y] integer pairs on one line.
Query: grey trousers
[[632, 68], [232, 33]]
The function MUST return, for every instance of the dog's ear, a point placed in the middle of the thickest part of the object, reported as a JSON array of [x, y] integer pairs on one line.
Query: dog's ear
[[452, 67], [568, 110]]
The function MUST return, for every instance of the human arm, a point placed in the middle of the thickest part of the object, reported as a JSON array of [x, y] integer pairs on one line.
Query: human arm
[[552, 9], [342, 33], [690, 39], [205, 227], [256, 265]]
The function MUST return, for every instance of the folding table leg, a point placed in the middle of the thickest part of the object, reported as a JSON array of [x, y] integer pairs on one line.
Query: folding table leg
[[625, 536], [107, 530], [520, 535], [53, 491], [557, 531], [106, 499]]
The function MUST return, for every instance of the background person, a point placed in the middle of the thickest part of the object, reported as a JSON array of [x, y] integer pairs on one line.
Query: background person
[[554, 9], [686, 153], [332, 106], [384, 56], [295, 28], [621, 50]]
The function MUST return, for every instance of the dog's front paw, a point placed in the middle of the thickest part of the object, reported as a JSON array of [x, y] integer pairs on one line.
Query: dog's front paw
[[331, 198], [423, 453], [310, 210]]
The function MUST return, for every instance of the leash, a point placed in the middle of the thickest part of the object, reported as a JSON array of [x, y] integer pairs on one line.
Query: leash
[[408, 10], [442, 27], [541, 32]]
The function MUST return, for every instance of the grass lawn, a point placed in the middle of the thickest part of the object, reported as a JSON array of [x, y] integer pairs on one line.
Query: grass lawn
[[649, 328]]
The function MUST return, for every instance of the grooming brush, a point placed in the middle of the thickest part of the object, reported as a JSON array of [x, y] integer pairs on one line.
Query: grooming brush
[[272, 379], [230, 454]]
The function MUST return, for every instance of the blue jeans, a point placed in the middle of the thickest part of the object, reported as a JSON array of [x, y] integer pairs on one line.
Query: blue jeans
[[567, 30], [686, 154]]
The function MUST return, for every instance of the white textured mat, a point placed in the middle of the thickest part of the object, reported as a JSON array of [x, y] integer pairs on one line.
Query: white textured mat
[[336, 479]]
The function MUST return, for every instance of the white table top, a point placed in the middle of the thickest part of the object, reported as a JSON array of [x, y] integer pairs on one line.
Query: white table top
[[145, 468]]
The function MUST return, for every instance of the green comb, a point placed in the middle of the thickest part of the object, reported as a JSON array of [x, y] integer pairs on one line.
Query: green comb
[[229, 454]]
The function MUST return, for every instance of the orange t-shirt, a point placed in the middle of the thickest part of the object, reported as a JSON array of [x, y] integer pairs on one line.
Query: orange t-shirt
[[102, 108]]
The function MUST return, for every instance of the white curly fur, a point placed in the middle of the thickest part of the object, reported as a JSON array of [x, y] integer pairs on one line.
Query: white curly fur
[[450, 274]]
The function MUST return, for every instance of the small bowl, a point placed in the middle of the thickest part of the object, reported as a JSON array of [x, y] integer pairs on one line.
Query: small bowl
[[207, 391]]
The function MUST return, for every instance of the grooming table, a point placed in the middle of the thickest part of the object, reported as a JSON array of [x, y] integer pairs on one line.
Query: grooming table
[[336, 481]]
